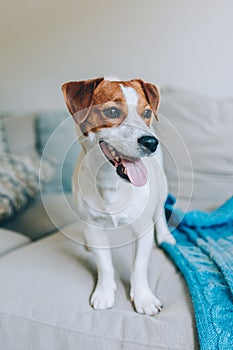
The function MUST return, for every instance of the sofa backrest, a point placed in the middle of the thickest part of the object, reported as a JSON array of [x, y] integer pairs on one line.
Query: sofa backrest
[[21, 133]]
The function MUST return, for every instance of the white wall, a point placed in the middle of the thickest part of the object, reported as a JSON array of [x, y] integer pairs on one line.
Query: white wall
[[45, 43]]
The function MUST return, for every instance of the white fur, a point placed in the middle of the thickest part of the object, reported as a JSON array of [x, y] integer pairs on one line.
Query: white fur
[[130, 95], [111, 78], [107, 203]]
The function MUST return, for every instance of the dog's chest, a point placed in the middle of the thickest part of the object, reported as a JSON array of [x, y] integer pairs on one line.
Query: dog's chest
[[124, 204], [114, 202]]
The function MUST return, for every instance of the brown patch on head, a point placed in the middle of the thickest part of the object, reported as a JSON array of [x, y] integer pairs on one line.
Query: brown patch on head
[[143, 103], [89, 100], [149, 98], [107, 95]]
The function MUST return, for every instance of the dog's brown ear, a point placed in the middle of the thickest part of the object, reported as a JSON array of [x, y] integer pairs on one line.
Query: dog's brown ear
[[78, 97], [152, 94]]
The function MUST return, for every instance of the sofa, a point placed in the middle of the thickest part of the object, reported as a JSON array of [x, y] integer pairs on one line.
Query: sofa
[[46, 275]]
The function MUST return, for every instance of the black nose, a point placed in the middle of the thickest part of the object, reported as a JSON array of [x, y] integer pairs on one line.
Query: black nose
[[149, 142]]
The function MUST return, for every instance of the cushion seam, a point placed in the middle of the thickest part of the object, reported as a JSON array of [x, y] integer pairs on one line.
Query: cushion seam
[[8, 251], [90, 334]]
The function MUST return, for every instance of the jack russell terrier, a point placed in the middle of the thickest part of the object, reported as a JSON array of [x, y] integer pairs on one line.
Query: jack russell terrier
[[119, 180]]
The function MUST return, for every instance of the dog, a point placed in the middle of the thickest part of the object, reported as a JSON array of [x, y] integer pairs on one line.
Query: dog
[[120, 155]]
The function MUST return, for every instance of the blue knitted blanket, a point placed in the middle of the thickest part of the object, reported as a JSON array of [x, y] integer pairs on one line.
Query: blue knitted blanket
[[204, 254]]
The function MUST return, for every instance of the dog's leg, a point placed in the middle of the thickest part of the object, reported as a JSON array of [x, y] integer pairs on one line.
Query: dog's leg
[[144, 300], [162, 231], [104, 294]]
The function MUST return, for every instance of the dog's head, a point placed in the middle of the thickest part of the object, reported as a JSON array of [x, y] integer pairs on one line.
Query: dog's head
[[117, 115]]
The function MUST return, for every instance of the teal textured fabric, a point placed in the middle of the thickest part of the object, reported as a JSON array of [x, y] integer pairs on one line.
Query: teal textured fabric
[[204, 254]]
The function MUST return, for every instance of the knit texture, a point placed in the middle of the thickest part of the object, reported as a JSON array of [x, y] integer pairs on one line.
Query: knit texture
[[204, 254]]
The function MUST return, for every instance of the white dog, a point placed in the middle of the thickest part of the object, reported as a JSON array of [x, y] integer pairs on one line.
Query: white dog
[[119, 181]]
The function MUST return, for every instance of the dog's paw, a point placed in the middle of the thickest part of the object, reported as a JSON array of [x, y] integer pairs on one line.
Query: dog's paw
[[145, 302], [103, 296], [165, 237]]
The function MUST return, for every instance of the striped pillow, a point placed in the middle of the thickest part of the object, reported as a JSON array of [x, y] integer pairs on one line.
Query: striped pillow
[[21, 176]]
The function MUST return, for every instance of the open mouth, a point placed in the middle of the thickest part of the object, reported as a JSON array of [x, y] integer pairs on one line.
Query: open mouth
[[128, 168]]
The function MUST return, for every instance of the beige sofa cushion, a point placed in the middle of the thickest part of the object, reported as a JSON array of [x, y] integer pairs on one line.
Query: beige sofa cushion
[[201, 127], [44, 304], [45, 215], [10, 240]]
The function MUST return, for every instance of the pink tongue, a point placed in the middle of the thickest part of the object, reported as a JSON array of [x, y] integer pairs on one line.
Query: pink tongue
[[136, 171]]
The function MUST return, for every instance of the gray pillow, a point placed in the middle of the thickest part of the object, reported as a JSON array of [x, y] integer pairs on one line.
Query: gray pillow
[[196, 133], [56, 139]]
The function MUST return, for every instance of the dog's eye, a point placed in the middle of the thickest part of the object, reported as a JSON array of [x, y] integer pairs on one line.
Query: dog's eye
[[147, 113], [112, 112]]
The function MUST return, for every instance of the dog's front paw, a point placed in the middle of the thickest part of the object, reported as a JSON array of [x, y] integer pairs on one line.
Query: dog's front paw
[[165, 237], [145, 302], [103, 296]]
